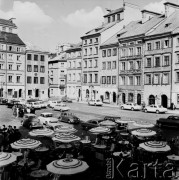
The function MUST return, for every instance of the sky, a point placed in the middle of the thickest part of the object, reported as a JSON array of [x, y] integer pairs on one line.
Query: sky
[[47, 23]]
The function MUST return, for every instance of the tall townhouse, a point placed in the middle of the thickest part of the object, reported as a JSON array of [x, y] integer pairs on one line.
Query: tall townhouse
[[91, 41], [109, 70], [131, 43], [161, 70], [74, 72], [12, 61], [36, 74], [57, 67]]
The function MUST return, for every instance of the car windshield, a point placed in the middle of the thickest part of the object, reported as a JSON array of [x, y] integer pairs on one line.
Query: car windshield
[[48, 115], [160, 106], [98, 101]]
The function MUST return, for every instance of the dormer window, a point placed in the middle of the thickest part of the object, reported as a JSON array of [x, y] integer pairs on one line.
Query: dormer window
[[109, 19], [113, 18], [118, 17]]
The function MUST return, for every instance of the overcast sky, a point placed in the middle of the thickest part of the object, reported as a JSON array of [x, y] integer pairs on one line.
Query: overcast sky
[[45, 23]]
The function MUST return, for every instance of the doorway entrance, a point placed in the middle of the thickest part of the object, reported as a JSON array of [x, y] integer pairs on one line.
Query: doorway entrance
[[164, 101], [114, 97], [123, 98], [37, 93], [139, 99]]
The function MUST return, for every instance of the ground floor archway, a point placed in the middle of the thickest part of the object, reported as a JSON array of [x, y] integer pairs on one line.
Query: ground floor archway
[[87, 93], [139, 99], [123, 98], [164, 101], [37, 93], [130, 97], [114, 97], [151, 99]]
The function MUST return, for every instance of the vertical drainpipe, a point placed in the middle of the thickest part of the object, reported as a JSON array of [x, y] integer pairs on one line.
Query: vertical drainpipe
[[6, 68], [171, 86], [118, 100], [25, 75]]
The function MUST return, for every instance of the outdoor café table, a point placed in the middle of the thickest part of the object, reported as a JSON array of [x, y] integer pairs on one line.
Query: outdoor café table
[[100, 146], [65, 146], [84, 141], [173, 157], [38, 174], [41, 149], [123, 142], [28, 161]]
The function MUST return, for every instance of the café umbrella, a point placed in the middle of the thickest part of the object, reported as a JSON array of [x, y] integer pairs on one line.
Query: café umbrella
[[107, 123], [67, 166], [25, 144], [123, 121], [41, 132], [143, 124], [143, 132], [155, 146], [7, 158], [65, 129], [99, 130], [66, 137]]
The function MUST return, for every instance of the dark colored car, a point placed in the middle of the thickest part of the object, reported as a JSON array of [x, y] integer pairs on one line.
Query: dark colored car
[[69, 118], [11, 103], [91, 123], [30, 121], [112, 118], [172, 121], [3, 101], [66, 99]]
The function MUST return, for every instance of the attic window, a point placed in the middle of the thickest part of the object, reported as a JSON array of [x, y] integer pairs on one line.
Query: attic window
[[168, 24]]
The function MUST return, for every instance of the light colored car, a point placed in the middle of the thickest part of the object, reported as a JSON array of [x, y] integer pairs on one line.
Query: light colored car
[[34, 104], [53, 103], [95, 102], [155, 108], [131, 106], [47, 117], [61, 107], [43, 104]]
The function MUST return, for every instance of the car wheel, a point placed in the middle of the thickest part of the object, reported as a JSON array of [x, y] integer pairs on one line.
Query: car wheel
[[132, 109], [157, 111], [145, 110], [122, 107]]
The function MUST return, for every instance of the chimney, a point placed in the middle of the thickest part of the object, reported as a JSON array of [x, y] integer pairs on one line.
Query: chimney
[[147, 15], [170, 8]]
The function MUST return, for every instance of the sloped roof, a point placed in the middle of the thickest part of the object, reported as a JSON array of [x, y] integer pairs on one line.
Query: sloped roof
[[75, 47], [138, 28], [11, 38], [168, 25], [7, 22], [100, 29], [114, 11]]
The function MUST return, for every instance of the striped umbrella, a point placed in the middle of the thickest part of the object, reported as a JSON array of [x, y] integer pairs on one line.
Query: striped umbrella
[[67, 166], [65, 129], [25, 144], [66, 137], [155, 146], [123, 121], [100, 130], [143, 132], [41, 132], [6, 158], [108, 123], [143, 124]]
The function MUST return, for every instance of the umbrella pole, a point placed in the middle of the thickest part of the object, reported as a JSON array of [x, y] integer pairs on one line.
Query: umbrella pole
[[56, 177]]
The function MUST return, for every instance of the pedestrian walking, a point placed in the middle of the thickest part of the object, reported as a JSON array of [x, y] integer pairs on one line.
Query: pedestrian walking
[[17, 112]]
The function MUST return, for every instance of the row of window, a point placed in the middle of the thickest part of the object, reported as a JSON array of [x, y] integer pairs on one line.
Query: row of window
[[130, 80], [36, 80], [91, 63], [15, 48], [36, 68], [109, 52], [18, 79], [91, 41], [156, 79], [108, 79], [131, 51], [91, 51], [73, 64], [158, 61], [109, 65], [90, 78], [36, 57], [130, 65], [18, 67], [62, 81], [74, 77], [113, 18], [74, 54]]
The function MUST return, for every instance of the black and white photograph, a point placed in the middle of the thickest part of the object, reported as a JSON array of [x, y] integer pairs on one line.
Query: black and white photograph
[[89, 89]]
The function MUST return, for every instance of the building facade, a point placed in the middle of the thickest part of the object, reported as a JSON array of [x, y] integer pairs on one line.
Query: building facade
[[36, 74], [74, 68], [12, 61]]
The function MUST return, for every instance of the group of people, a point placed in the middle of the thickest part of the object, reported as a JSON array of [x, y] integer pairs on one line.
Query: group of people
[[19, 110], [8, 135]]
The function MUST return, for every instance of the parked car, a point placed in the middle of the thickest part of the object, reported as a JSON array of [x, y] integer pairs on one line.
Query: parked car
[[112, 118], [131, 106], [91, 123], [95, 102], [3, 101], [11, 103], [69, 118], [169, 121], [66, 99], [35, 104], [43, 104], [30, 121], [53, 103], [61, 107], [155, 108], [47, 117]]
